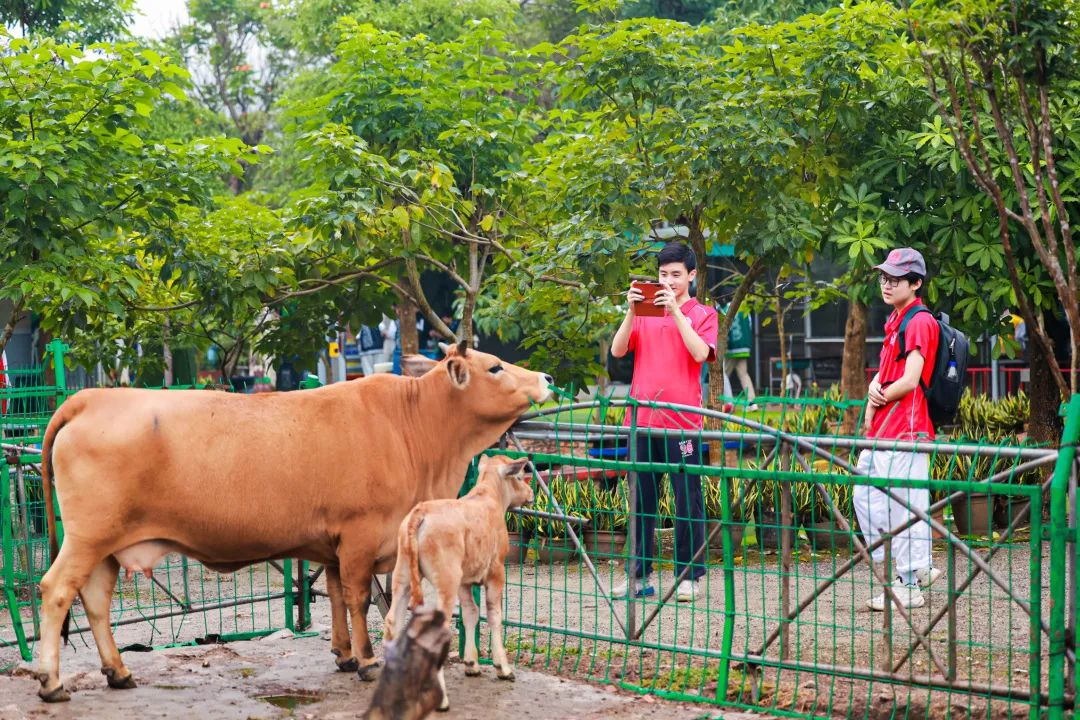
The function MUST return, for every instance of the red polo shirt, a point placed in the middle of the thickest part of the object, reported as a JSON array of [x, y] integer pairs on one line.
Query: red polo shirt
[[909, 417], [665, 371]]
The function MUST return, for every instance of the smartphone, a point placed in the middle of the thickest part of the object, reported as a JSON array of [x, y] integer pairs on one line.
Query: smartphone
[[645, 308]]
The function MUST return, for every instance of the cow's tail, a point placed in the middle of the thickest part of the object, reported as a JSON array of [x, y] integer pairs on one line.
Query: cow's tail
[[60, 418], [416, 592]]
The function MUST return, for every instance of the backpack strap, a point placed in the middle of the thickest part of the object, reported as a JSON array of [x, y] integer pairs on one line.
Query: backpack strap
[[901, 343]]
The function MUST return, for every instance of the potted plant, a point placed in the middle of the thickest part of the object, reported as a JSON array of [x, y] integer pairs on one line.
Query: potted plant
[[815, 515], [712, 489], [972, 512], [554, 544], [519, 529], [608, 512], [762, 496]]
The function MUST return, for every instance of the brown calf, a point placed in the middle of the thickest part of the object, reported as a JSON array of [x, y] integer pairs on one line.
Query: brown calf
[[456, 544]]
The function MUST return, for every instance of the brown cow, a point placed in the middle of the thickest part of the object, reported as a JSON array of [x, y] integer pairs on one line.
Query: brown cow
[[230, 480], [456, 544]]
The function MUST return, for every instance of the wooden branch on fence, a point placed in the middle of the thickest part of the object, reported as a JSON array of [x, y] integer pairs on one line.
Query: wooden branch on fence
[[408, 688]]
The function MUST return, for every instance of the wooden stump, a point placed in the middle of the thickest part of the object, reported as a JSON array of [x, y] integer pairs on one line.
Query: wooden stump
[[408, 688]]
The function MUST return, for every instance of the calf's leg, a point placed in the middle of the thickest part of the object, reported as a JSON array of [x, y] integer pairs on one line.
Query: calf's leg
[[493, 592], [394, 622], [445, 574], [470, 618]]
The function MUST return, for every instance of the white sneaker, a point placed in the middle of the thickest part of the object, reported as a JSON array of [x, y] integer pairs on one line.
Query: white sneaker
[[642, 588], [928, 576], [909, 596], [686, 591]]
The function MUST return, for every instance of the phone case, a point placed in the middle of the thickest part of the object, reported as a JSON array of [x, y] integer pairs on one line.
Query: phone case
[[645, 308]]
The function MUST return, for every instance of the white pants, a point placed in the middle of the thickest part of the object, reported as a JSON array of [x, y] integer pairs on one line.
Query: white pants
[[877, 511], [367, 362], [740, 366]]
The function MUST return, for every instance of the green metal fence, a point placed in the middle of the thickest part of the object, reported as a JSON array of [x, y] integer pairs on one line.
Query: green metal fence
[[182, 602], [779, 622]]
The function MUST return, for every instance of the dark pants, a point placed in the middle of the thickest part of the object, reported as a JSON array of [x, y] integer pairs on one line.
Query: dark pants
[[689, 505]]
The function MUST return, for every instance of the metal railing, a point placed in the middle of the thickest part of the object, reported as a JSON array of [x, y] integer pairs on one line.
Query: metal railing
[[779, 621]]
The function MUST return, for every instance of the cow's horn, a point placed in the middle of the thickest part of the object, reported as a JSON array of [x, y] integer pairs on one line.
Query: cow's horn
[[462, 346]]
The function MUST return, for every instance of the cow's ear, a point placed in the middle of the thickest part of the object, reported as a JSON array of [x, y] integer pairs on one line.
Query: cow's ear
[[458, 370], [416, 365], [515, 468]]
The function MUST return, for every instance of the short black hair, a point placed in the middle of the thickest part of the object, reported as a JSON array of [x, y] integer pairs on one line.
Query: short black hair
[[913, 278], [677, 252]]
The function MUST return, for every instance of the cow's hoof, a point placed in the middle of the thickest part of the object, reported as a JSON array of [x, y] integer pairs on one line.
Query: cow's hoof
[[444, 706], [348, 664], [369, 673], [472, 669], [125, 683], [57, 694], [508, 675]]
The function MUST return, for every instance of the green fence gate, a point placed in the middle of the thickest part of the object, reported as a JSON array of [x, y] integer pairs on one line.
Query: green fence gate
[[780, 621], [182, 602]]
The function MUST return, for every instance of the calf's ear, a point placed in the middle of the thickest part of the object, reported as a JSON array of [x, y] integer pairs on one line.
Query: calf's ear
[[515, 468]]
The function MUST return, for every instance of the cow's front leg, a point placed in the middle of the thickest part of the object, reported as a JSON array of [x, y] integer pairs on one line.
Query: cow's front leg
[[339, 623], [356, 574]]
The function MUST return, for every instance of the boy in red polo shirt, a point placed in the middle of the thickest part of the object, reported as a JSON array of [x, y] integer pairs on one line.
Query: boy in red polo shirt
[[668, 355], [896, 410]]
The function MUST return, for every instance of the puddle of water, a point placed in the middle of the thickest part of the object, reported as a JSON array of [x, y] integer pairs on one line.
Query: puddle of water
[[291, 701]]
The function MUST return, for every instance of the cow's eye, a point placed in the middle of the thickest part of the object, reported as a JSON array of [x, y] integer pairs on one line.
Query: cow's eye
[[496, 370]]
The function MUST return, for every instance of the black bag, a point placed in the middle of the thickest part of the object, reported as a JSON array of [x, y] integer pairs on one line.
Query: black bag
[[369, 339], [949, 375]]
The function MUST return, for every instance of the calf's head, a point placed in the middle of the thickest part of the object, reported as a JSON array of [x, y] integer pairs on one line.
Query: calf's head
[[509, 477], [489, 388]]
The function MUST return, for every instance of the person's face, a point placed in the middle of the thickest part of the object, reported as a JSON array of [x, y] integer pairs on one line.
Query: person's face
[[895, 291], [677, 277]]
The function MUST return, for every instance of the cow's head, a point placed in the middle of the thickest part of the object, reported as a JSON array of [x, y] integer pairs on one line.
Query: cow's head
[[509, 476], [491, 388]]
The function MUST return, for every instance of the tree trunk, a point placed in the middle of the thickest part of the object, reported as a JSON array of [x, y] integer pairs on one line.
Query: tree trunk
[[406, 317], [783, 342], [9, 328], [1044, 424], [408, 688], [716, 368], [853, 367]]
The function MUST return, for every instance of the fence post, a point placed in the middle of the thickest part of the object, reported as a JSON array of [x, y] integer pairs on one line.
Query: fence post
[[1058, 532], [632, 481], [57, 348], [290, 597], [723, 677], [8, 568]]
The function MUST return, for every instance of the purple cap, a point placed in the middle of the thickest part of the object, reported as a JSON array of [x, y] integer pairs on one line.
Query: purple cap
[[902, 261]]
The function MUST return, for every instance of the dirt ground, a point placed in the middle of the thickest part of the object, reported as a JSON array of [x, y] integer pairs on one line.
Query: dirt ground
[[237, 681], [556, 625]]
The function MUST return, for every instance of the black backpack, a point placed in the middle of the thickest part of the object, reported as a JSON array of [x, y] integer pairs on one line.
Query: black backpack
[[950, 367]]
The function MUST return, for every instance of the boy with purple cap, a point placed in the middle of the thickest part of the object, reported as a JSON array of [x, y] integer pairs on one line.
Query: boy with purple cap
[[896, 410]]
